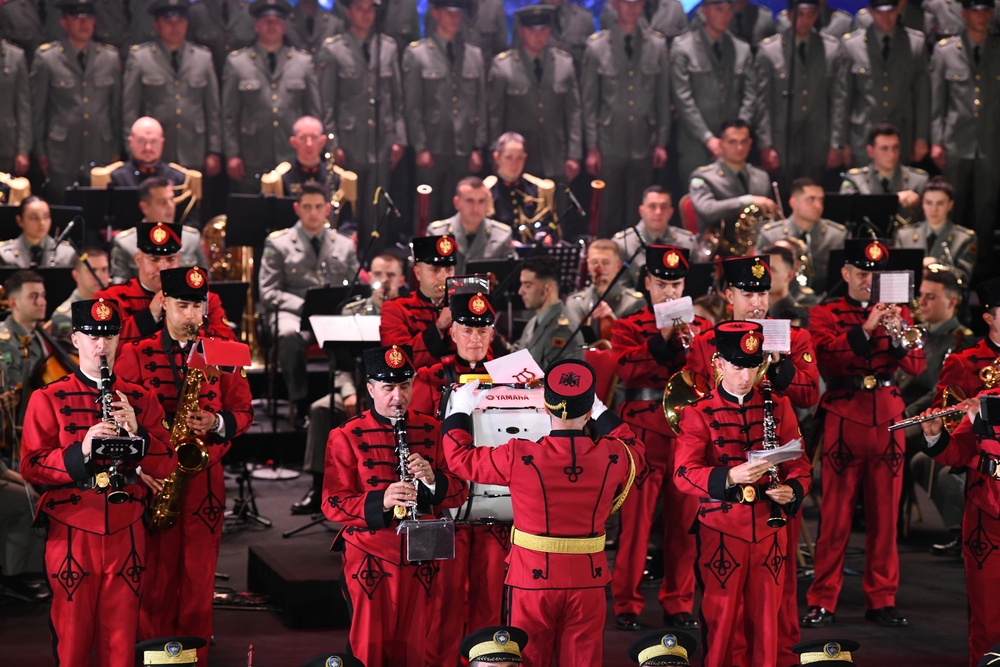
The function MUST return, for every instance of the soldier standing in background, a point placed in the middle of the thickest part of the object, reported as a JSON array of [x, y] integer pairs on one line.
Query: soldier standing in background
[[571, 26], [309, 25], [485, 26], [15, 110], [223, 26]]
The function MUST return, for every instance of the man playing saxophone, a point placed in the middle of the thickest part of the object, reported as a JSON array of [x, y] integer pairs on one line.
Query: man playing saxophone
[[216, 410], [87, 535]]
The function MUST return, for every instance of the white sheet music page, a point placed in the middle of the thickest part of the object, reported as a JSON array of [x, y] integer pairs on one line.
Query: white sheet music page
[[777, 335], [515, 368], [892, 287], [668, 311]]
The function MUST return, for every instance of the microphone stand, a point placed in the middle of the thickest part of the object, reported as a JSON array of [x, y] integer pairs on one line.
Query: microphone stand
[[374, 236]]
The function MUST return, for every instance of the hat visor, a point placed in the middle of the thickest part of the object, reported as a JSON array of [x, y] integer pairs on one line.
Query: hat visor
[[745, 360], [392, 377], [98, 329], [478, 321]]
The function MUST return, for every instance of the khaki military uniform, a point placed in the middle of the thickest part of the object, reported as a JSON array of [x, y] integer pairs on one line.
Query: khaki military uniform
[[718, 194], [325, 25], [825, 236], [942, 18], [666, 17], [15, 105], [866, 181], [347, 84], [17, 252], [21, 24], [623, 302], [288, 268], [78, 112], [185, 102], [446, 112], [259, 107], [833, 22], [802, 145], [572, 25], [221, 33], [546, 113], [546, 334], [13, 338], [708, 91], [965, 102], [124, 247], [896, 91], [491, 240], [484, 25], [636, 238], [626, 114], [952, 244]]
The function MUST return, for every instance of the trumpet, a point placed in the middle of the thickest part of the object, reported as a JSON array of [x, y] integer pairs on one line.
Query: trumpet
[[685, 332], [990, 375], [903, 335]]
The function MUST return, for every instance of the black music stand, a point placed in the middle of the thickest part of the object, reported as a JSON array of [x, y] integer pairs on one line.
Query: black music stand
[[256, 216], [700, 279], [61, 217], [851, 210], [233, 294], [900, 259], [59, 283], [569, 257]]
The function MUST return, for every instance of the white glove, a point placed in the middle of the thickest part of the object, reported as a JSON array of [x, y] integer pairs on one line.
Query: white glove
[[598, 409], [464, 400]]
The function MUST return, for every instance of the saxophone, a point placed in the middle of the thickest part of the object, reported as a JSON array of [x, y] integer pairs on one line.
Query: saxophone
[[192, 455]]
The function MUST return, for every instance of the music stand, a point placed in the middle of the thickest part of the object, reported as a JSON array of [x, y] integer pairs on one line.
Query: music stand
[[568, 255], [257, 216], [125, 211], [900, 259], [59, 283], [851, 209], [700, 279], [233, 294]]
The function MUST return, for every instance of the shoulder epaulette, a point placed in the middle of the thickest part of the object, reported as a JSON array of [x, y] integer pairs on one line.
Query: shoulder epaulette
[[277, 234]]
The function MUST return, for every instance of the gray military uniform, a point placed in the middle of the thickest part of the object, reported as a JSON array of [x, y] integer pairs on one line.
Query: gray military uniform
[[965, 102], [833, 22], [491, 240], [825, 236], [626, 113], [960, 242], [636, 238], [572, 26], [15, 105], [708, 91], [623, 302], [19, 369], [484, 25], [546, 334], [17, 252], [668, 17], [325, 25], [21, 24], [718, 194], [546, 113], [62, 316], [942, 18], [124, 247], [209, 27], [752, 24], [400, 20], [446, 112], [866, 181], [912, 17], [896, 91], [347, 84], [259, 107], [802, 145], [288, 268], [78, 112], [185, 102], [112, 22]]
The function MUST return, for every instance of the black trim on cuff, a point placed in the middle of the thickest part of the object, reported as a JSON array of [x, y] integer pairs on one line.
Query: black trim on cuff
[[424, 495], [899, 352], [860, 344], [229, 423], [660, 350], [792, 508], [606, 423], [782, 373], [146, 324], [938, 447], [458, 420], [717, 482], [376, 516], [73, 462]]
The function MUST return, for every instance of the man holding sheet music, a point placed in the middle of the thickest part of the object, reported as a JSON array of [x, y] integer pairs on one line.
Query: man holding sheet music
[[859, 359]]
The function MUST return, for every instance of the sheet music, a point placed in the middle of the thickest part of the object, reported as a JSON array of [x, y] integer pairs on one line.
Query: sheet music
[[892, 287], [667, 312], [516, 368], [777, 335], [787, 452], [345, 328]]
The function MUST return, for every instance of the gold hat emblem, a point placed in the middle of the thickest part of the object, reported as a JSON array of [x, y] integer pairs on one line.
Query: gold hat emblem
[[750, 343], [101, 312], [394, 357], [195, 279], [445, 247], [159, 235], [671, 260], [874, 251], [758, 269], [477, 304]]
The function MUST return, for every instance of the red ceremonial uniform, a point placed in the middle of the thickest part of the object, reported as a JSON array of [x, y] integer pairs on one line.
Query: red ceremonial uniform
[[138, 322], [980, 526], [859, 452], [412, 320], [388, 596], [961, 369], [645, 362], [95, 552], [468, 591], [741, 559], [561, 486], [177, 600]]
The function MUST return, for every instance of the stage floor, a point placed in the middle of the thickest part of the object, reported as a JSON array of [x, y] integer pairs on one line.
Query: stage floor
[[932, 596]]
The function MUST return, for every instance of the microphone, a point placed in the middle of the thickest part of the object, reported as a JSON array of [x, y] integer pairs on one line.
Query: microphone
[[870, 227], [60, 239], [392, 204], [576, 202]]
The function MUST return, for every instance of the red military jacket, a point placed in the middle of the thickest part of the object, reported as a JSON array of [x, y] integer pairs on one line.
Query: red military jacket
[[361, 462], [716, 434], [411, 320], [431, 382], [560, 486], [796, 375], [138, 322], [846, 354], [55, 424], [646, 361], [962, 448], [157, 362], [961, 369]]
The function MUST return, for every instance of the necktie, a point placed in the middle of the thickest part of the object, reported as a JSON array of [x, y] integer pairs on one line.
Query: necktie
[[738, 17], [450, 49], [538, 69], [272, 61], [802, 52], [717, 50], [885, 186], [629, 52], [175, 60], [225, 12], [931, 241], [885, 49], [976, 55], [36, 255], [366, 50], [556, 27], [743, 181], [82, 59], [310, 24], [316, 243], [43, 14]]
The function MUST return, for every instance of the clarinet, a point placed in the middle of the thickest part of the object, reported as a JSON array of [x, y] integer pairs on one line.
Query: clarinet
[[777, 518], [116, 475], [403, 451]]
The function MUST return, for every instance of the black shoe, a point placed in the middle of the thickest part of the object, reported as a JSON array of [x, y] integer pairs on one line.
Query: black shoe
[[310, 503], [22, 589], [817, 617], [628, 622], [887, 616], [684, 620], [949, 549]]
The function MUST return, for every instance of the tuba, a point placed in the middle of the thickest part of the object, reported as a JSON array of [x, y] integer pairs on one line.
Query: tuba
[[683, 389], [192, 454]]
